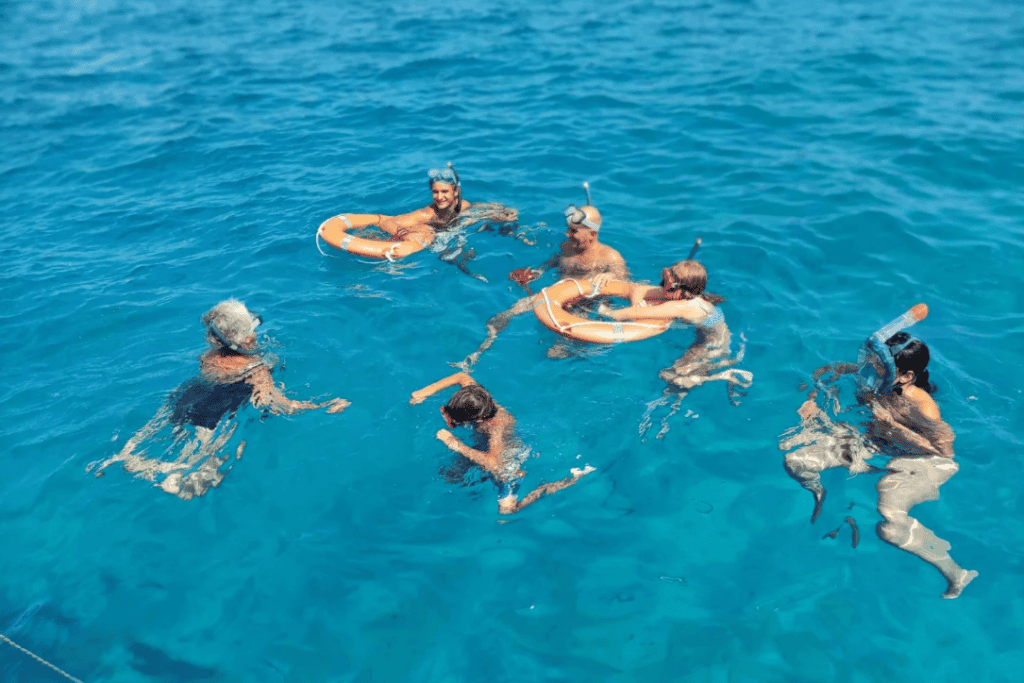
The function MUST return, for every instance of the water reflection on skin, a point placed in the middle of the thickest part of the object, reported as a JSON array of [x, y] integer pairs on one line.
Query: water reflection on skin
[[906, 426], [200, 414]]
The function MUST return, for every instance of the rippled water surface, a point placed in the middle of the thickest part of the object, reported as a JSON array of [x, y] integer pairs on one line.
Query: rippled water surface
[[841, 161]]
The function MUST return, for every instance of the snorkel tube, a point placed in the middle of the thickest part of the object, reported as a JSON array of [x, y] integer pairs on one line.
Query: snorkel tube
[[586, 187], [876, 365], [693, 252]]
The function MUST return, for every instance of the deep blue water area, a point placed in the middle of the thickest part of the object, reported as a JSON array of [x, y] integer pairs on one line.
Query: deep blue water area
[[840, 161]]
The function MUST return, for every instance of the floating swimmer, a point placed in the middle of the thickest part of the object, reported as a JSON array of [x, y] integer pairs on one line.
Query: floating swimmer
[[906, 424], [473, 406], [581, 256], [415, 231], [682, 297], [200, 412]]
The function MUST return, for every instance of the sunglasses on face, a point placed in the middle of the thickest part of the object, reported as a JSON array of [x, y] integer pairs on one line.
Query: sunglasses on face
[[576, 216]]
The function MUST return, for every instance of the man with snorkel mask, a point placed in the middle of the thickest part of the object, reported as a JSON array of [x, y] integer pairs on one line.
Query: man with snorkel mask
[[580, 256]]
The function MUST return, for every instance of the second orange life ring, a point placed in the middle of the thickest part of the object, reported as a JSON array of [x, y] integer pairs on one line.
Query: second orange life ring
[[550, 308]]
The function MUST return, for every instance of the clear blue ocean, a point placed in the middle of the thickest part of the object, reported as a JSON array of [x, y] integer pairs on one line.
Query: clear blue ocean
[[840, 161]]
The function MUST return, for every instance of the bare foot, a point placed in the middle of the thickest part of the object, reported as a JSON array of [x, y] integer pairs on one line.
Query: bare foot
[[957, 587], [819, 501], [742, 378], [172, 484], [577, 472]]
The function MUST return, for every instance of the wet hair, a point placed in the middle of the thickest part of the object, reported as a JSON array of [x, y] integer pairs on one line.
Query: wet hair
[[913, 357], [690, 280], [470, 404], [446, 220], [229, 324]]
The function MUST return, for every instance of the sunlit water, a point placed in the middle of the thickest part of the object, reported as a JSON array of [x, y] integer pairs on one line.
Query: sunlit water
[[841, 161]]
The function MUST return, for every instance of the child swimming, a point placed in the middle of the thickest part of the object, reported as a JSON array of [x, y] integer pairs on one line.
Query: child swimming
[[473, 406]]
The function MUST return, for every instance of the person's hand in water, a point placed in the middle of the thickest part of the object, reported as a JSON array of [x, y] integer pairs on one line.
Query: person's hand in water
[[600, 281], [337, 405], [446, 437], [605, 310], [524, 276]]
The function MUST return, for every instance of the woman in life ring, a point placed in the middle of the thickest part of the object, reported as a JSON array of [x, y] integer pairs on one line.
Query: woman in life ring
[[410, 232]]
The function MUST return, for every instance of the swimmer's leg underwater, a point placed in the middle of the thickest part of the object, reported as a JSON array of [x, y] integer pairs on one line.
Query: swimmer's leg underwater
[[912, 481], [511, 504], [495, 325]]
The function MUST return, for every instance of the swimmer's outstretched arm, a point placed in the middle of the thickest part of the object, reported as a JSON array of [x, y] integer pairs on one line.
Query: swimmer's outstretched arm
[[524, 276], [670, 310], [510, 505], [267, 395], [364, 220], [461, 378], [414, 221]]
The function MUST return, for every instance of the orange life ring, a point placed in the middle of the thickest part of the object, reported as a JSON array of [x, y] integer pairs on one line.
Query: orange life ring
[[549, 307], [334, 231]]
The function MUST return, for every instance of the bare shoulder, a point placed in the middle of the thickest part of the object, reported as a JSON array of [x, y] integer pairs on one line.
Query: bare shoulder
[[611, 255], [465, 205], [924, 403]]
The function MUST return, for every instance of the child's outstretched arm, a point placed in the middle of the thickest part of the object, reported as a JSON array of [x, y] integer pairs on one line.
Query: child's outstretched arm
[[670, 310], [461, 378], [266, 394]]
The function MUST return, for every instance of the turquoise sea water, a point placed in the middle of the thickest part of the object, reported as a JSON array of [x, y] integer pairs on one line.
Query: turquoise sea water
[[841, 161]]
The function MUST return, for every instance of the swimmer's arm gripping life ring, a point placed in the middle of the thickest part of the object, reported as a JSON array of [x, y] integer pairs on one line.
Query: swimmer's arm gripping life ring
[[335, 231], [550, 308]]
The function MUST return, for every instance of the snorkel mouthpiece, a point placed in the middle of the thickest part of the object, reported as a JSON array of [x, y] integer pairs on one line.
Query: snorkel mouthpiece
[[877, 366]]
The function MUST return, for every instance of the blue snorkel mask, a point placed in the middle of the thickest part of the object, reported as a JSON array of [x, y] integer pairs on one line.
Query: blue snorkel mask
[[876, 360], [448, 176]]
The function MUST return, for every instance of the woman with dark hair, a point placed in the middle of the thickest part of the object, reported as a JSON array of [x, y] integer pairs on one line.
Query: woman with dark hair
[[473, 406], [906, 424]]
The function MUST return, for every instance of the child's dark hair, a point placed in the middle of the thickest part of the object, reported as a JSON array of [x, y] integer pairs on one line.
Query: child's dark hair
[[470, 404], [913, 357], [690, 280]]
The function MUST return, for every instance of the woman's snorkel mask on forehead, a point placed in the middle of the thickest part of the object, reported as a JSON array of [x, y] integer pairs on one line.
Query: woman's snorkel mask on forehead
[[877, 361], [577, 216], [448, 176]]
